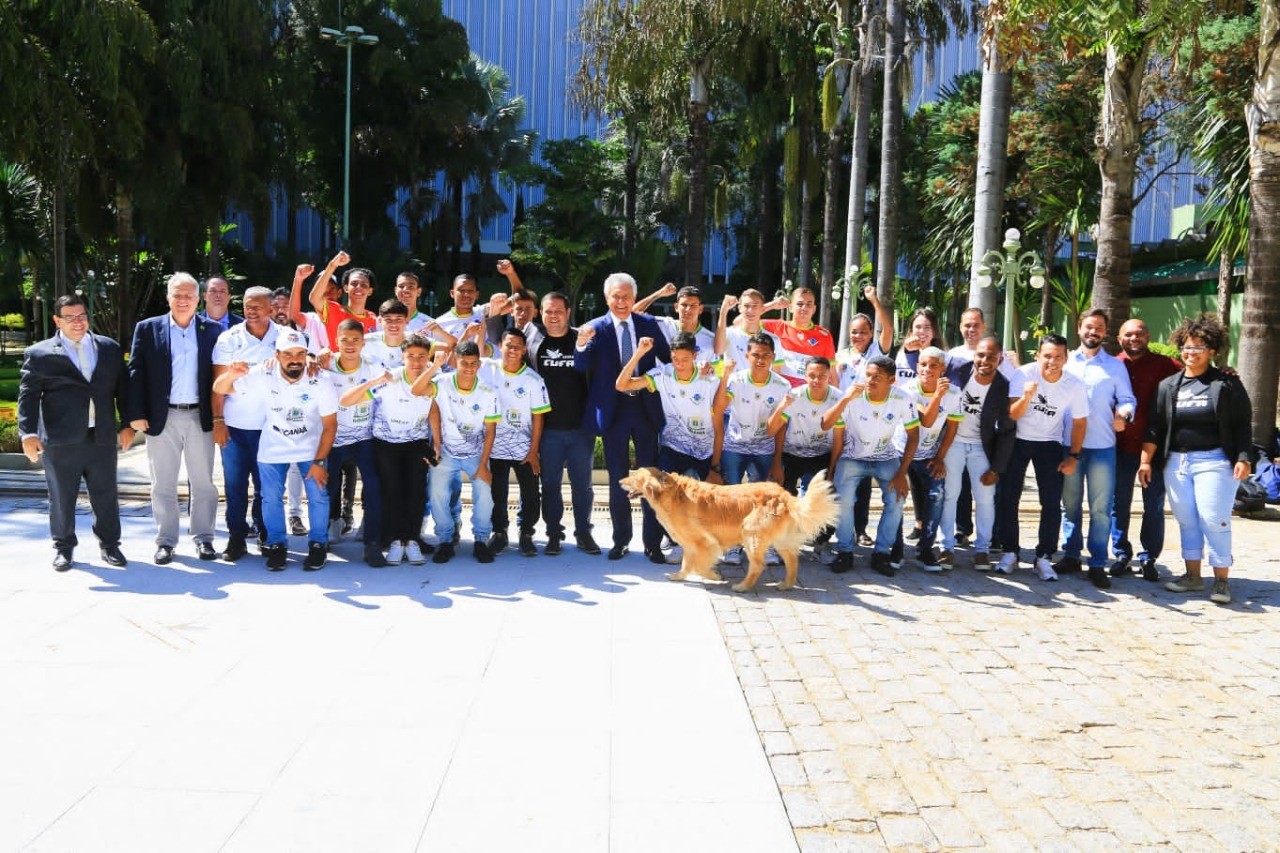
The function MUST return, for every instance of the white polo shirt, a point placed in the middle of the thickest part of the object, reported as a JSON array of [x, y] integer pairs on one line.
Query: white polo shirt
[[950, 409], [750, 405], [521, 395], [464, 415], [870, 427], [292, 423], [706, 338], [355, 423], [687, 406], [399, 415], [805, 435], [378, 351], [245, 411]]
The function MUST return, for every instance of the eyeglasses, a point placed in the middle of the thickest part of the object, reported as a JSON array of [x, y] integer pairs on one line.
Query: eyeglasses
[[75, 318], [1193, 350]]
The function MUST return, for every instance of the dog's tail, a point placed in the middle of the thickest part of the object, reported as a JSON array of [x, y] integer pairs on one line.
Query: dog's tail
[[818, 508]]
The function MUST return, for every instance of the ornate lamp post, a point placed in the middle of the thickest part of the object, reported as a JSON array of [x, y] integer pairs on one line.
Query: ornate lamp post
[[1006, 269], [347, 38]]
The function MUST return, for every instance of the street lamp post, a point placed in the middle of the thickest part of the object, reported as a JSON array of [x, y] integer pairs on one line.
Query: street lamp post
[[1010, 266], [347, 38]]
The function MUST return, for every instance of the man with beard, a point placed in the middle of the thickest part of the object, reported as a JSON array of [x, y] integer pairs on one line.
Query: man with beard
[[1146, 370], [299, 425], [1111, 405]]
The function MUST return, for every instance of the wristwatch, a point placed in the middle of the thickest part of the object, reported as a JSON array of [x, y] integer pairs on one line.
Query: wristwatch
[[323, 463], [1074, 454]]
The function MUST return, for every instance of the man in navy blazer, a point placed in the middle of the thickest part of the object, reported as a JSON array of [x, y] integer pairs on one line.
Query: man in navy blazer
[[604, 345], [170, 399], [68, 393]]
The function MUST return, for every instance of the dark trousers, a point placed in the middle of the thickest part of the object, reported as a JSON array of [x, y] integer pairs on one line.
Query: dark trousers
[[359, 456], [631, 425], [862, 507], [1044, 457], [65, 465], [798, 468], [530, 495], [1151, 535], [964, 506], [926, 496], [402, 477], [344, 474]]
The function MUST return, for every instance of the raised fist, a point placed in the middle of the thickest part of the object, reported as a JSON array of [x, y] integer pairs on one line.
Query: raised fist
[[340, 260], [504, 266], [644, 345], [667, 289], [1029, 390], [303, 271], [729, 303], [869, 292]]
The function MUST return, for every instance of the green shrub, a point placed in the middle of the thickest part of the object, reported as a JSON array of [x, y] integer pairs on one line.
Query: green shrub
[[1164, 349], [9, 441], [13, 322]]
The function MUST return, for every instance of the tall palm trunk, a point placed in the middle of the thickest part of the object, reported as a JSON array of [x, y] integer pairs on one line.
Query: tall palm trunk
[[125, 239], [831, 173], [1118, 152], [890, 150], [766, 260], [699, 143], [865, 92], [993, 144], [631, 177], [804, 272], [1226, 271], [1259, 353]]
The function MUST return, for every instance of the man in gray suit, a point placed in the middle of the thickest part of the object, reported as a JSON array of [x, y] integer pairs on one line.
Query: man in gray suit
[[70, 388]]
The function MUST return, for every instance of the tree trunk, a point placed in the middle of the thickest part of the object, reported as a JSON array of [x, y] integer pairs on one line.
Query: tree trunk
[[213, 263], [831, 186], [890, 151], [59, 240], [1259, 354], [1118, 151], [455, 227], [631, 189], [993, 144], [124, 296], [766, 264], [1226, 271], [804, 271], [695, 236], [865, 93]]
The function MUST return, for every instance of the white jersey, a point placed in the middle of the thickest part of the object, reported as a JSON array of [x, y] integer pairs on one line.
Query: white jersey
[[521, 395], [972, 399], [399, 415], [378, 351], [750, 405], [314, 329], [355, 423], [464, 415], [415, 324], [454, 325], [805, 435], [869, 427], [948, 410], [292, 425], [853, 364], [1052, 406], [706, 338], [736, 346], [245, 411], [687, 405]]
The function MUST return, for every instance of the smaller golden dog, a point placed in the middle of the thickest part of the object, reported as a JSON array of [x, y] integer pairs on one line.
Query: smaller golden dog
[[706, 520]]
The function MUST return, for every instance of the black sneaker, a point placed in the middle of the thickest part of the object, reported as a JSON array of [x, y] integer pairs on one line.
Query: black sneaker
[[962, 540], [1121, 567], [374, 558], [843, 562], [1098, 577], [317, 555], [882, 563], [895, 557], [526, 546], [482, 553], [914, 534], [277, 556], [1067, 565], [1149, 570], [586, 544], [235, 549], [553, 546], [444, 553], [457, 534], [497, 543]]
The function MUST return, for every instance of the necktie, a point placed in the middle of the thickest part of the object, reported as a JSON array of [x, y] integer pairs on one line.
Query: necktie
[[82, 359], [624, 341]]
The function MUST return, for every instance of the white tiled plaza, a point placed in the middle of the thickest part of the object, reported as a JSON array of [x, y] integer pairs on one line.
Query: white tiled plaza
[[558, 704]]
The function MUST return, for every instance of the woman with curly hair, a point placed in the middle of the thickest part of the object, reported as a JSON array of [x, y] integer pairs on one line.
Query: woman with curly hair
[[1200, 431]]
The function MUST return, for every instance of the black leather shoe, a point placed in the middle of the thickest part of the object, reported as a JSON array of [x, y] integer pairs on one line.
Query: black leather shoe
[[843, 562], [497, 542], [655, 555], [587, 545], [1120, 567], [1149, 570], [444, 553], [617, 552], [482, 553], [374, 558], [112, 556], [163, 555], [236, 548], [553, 546], [1067, 565], [62, 559], [204, 550], [526, 546], [881, 563], [1098, 577]]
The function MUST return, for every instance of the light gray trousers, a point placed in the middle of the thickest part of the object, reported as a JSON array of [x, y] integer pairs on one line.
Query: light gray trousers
[[182, 440]]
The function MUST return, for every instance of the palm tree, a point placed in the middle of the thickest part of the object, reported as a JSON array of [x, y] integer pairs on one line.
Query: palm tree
[[993, 143]]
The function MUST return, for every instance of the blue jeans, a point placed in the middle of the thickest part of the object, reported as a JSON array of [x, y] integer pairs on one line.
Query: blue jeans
[[239, 466], [926, 494], [1097, 465], [572, 449], [675, 462], [1202, 492], [968, 457], [1151, 535], [446, 481], [1044, 457], [370, 496], [273, 476], [735, 466], [849, 474]]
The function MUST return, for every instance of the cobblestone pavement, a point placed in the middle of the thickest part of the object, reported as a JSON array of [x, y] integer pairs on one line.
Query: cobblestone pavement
[[955, 710]]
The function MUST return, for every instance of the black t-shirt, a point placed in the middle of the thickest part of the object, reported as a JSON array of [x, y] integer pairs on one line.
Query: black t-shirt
[[1195, 423], [566, 385]]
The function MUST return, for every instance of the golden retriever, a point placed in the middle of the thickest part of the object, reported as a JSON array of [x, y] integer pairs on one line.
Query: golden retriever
[[706, 520]]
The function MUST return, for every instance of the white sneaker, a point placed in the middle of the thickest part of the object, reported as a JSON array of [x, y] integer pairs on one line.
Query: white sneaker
[[1007, 564], [413, 553], [675, 556], [1044, 570], [732, 557], [826, 554], [335, 531], [771, 558], [395, 554]]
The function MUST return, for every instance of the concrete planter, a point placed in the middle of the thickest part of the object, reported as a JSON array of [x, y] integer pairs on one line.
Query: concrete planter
[[16, 462]]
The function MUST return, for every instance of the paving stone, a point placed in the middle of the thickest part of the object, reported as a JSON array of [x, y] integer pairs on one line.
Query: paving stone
[[907, 833]]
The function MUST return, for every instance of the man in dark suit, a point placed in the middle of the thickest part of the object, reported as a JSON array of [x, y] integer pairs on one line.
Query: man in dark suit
[[170, 393], [217, 304], [70, 388], [604, 346]]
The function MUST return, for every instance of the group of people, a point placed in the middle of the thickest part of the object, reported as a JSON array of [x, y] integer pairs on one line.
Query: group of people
[[307, 402]]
